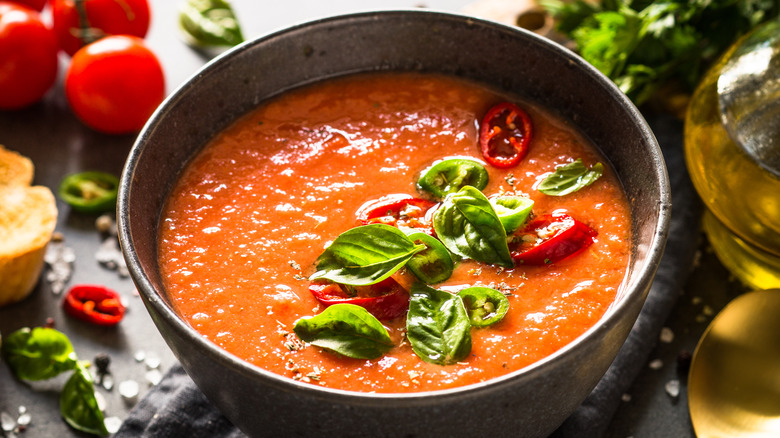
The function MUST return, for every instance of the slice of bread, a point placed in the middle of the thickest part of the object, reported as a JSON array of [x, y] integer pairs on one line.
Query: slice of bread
[[28, 215]]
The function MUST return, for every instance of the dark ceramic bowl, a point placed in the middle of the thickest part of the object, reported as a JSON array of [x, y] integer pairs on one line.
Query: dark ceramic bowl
[[530, 402]]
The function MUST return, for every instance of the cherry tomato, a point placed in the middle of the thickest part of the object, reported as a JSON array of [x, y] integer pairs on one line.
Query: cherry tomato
[[94, 304], [550, 238], [28, 56], [396, 210], [114, 84], [385, 300], [504, 135], [103, 17], [32, 4]]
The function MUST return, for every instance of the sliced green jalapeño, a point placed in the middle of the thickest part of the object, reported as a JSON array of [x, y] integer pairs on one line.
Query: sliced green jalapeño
[[90, 192], [451, 174], [484, 305], [512, 211], [433, 264]]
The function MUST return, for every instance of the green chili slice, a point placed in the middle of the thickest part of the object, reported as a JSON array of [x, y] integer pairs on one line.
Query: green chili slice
[[451, 174], [433, 264], [484, 305], [512, 211], [90, 192]]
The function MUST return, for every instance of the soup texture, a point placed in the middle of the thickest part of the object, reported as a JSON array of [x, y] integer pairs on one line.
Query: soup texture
[[244, 226]]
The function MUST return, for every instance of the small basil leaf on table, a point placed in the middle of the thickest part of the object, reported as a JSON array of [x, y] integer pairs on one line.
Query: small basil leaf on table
[[434, 263], [346, 329], [437, 326], [569, 178], [38, 354], [365, 255], [210, 23], [451, 174], [512, 211], [468, 226], [78, 405], [484, 305]]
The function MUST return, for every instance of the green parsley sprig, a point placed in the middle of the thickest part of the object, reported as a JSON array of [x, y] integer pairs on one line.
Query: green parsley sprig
[[643, 45]]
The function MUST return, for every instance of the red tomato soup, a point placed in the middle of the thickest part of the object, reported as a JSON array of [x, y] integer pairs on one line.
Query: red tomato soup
[[250, 215]]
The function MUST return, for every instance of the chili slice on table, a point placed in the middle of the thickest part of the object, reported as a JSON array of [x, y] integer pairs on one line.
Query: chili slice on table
[[396, 210], [90, 192], [385, 300], [94, 304], [550, 238], [504, 135]]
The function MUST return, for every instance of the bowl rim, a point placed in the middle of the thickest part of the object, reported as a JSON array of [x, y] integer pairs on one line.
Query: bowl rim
[[636, 290]]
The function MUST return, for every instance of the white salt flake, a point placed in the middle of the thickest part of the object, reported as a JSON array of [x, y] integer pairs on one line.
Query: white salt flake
[[128, 389], [101, 401], [107, 382], [152, 362], [7, 422], [140, 356], [667, 335], [673, 388], [153, 377], [656, 364], [24, 419], [626, 397], [113, 424]]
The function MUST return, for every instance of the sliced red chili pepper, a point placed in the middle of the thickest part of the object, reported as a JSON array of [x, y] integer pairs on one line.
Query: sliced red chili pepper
[[504, 135], [549, 239], [95, 304], [385, 300], [396, 210]]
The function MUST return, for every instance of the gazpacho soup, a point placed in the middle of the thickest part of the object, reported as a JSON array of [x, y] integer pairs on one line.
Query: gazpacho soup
[[395, 232]]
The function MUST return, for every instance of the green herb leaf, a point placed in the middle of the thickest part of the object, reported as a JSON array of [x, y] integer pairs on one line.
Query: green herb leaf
[[434, 263], [346, 329], [78, 405], [569, 178], [38, 354], [451, 174], [512, 211], [210, 23], [484, 305], [438, 326], [468, 226], [365, 255]]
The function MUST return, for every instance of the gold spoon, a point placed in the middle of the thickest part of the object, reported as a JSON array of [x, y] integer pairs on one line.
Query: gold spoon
[[734, 379]]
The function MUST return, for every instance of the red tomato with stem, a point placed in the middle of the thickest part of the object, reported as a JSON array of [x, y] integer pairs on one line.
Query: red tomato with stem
[[114, 84], [103, 17], [28, 56]]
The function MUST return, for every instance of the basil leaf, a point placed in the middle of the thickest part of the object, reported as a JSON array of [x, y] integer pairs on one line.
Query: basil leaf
[[365, 255], [346, 329], [569, 178], [484, 305], [468, 226], [437, 326], [78, 405], [38, 354], [434, 263], [512, 211], [209, 23], [451, 174]]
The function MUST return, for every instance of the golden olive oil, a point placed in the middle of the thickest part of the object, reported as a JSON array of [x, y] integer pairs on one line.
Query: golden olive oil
[[743, 198]]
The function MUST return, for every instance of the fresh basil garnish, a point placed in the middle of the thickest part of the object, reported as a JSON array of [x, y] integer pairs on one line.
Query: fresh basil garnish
[[43, 353], [569, 178], [78, 405], [451, 174], [437, 326], [512, 211], [468, 226], [433, 264], [210, 23], [38, 354], [346, 329], [484, 305], [365, 255]]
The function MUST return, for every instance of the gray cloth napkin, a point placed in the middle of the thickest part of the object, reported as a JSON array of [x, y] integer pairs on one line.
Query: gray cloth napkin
[[177, 408]]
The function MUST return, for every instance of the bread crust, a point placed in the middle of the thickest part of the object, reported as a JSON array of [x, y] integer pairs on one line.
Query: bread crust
[[28, 216]]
